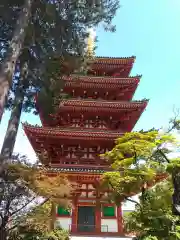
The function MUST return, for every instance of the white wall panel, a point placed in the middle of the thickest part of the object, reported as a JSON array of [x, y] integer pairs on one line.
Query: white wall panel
[[109, 225], [63, 222]]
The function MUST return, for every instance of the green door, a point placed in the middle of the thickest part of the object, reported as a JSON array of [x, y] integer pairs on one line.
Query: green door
[[86, 219]]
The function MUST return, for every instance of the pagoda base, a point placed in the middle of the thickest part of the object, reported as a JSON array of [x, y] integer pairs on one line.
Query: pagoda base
[[92, 219], [84, 237]]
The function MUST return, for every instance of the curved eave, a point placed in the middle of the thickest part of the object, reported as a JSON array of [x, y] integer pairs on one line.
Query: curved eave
[[102, 79], [71, 133], [108, 65], [74, 170], [91, 174], [115, 60], [97, 111], [101, 82], [88, 175], [112, 66], [97, 105]]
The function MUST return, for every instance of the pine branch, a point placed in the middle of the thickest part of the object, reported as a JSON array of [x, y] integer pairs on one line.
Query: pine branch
[[25, 205], [163, 155]]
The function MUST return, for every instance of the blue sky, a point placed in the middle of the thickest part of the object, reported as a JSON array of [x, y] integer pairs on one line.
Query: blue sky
[[149, 30]]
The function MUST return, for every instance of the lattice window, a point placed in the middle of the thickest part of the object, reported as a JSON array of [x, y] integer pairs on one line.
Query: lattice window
[[89, 123], [102, 124], [75, 123]]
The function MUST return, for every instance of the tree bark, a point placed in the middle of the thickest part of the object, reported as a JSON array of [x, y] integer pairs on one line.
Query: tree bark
[[3, 234], [53, 216], [13, 52], [176, 193], [13, 125], [3, 230]]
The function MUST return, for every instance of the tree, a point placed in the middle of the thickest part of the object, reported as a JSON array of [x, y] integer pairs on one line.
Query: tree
[[140, 160], [13, 52], [61, 37], [13, 124], [21, 186], [36, 224], [41, 19], [154, 220], [135, 162], [174, 169], [30, 234]]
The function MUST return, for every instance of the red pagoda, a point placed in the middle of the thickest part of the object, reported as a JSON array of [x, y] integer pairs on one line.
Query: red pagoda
[[100, 111]]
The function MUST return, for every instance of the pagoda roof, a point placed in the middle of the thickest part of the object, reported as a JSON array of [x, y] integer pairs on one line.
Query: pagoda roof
[[112, 65], [70, 133], [114, 60], [98, 172], [107, 65], [123, 111], [100, 105], [121, 88], [76, 169], [100, 82], [84, 175]]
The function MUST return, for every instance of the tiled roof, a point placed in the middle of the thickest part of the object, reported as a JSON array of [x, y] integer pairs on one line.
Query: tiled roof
[[76, 133], [114, 60], [79, 170], [101, 79], [103, 104], [101, 82]]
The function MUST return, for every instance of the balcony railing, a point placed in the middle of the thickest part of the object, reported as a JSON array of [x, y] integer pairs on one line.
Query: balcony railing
[[87, 228]]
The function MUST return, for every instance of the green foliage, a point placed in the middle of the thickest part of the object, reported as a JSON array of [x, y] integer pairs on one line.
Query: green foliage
[[36, 224], [39, 218], [175, 123], [30, 234], [57, 235], [147, 238], [21, 185], [173, 165], [52, 44], [37, 180], [154, 219], [56, 29], [136, 162]]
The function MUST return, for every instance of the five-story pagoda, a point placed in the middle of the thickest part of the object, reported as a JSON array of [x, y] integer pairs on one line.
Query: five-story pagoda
[[100, 111]]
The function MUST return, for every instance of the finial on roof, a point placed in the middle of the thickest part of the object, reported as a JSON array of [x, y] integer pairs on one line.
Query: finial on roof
[[91, 42]]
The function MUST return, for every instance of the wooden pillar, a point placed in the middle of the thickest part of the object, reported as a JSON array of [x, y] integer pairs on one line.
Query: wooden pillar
[[98, 216], [119, 219], [74, 216]]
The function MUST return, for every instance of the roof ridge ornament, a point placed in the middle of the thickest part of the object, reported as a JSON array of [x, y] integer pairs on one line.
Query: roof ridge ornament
[[91, 42]]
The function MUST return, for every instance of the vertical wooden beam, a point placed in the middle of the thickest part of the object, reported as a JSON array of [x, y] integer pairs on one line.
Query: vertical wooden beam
[[74, 216], [98, 208], [119, 219], [98, 216]]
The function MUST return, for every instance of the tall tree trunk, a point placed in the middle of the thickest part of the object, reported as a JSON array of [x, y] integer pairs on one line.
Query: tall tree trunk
[[13, 52], [3, 230], [176, 193], [12, 129], [3, 233], [53, 216]]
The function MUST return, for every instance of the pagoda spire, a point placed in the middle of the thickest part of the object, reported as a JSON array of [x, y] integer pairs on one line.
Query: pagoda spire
[[91, 42]]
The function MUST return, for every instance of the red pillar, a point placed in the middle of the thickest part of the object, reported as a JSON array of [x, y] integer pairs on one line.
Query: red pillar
[[98, 217], [119, 219], [74, 216]]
